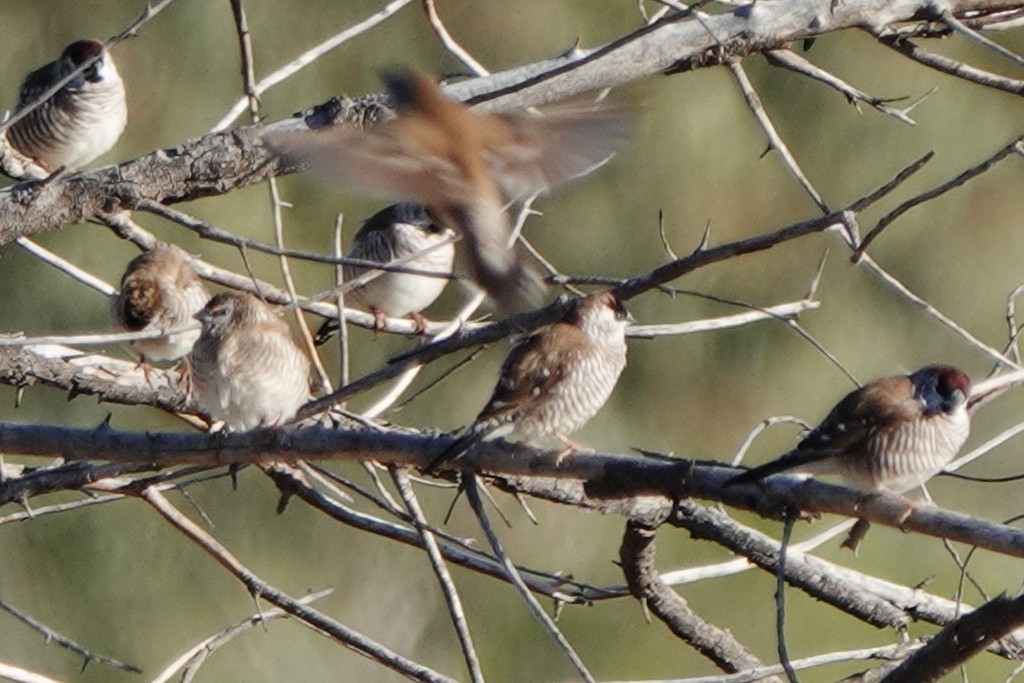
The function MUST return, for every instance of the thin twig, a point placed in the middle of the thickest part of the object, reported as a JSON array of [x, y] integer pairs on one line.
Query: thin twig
[[775, 140], [344, 635], [289, 282], [249, 86], [1014, 331], [14, 341], [781, 312], [951, 66], [66, 267], [970, 34], [885, 652], [444, 578], [307, 58], [937, 191], [19, 675], [214, 234], [197, 654], [409, 375], [460, 53], [852, 240], [787, 59], [761, 427], [53, 636], [989, 445], [455, 550], [473, 495], [780, 597]]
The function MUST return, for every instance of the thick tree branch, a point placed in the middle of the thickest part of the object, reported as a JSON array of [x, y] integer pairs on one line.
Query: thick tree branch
[[637, 554], [961, 640], [561, 479], [221, 162]]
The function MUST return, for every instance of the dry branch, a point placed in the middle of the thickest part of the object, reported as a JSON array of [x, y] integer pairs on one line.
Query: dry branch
[[637, 554], [222, 162]]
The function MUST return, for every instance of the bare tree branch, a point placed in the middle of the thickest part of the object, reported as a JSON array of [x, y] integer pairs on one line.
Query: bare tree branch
[[959, 641], [637, 554]]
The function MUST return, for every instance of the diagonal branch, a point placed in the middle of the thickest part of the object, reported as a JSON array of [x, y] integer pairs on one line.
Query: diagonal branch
[[775, 141], [961, 640], [472, 484], [976, 170], [344, 635], [53, 636], [637, 553]]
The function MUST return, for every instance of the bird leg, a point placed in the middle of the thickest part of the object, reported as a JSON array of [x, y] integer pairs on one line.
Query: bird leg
[[419, 325], [860, 529], [185, 376], [379, 320], [146, 368], [570, 447], [53, 175], [856, 535]]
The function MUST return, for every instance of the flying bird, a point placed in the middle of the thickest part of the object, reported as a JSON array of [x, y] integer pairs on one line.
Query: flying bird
[[400, 232], [891, 435], [555, 379], [464, 166], [246, 370], [160, 291], [79, 122]]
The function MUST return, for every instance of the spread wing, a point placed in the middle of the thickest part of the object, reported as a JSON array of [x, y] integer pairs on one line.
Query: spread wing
[[540, 151], [398, 159]]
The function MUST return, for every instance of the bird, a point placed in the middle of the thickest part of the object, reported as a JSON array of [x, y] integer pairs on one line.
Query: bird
[[554, 379], [397, 233], [464, 165], [247, 371], [889, 436], [79, 122], [160, 290]]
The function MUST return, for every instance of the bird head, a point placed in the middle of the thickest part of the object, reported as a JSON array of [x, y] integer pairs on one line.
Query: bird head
[[601, 314], [941, 388], [220, 312], [82, 52]]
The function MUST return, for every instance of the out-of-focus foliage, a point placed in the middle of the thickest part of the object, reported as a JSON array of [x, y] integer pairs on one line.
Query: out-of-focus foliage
[[120, 580]]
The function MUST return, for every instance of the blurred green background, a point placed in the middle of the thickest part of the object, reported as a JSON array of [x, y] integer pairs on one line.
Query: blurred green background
[[118, 579]]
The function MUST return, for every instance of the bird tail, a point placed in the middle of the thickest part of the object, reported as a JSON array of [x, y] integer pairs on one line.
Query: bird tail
[[456, 450], [495, 264], [516, 287], [326, 331], [794, 461]]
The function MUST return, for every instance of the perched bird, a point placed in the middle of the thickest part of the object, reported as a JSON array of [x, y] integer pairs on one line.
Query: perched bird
[[80, 121], [160, 290], [891, 435], [246, 369], [554, 379], [397, 233], [464, 165]]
